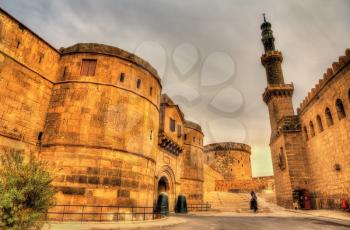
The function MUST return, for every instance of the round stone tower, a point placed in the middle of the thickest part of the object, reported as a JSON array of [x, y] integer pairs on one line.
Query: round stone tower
[[101, 127], [232, 160], [192, 161]]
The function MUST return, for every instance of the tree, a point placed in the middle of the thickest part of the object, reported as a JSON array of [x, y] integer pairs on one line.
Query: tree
[[26, 192]]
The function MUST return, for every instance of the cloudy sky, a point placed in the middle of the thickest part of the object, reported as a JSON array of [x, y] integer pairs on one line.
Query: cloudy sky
[[206, 52]]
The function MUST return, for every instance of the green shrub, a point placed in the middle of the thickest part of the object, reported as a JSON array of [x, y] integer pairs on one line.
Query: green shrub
[[26, 192]]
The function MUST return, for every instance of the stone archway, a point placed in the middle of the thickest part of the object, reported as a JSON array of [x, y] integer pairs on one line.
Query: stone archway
[[163, 185], [166, 183]]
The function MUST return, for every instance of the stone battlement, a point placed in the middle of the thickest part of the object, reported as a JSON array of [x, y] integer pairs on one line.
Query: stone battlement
[[327, 77], [226, 146]]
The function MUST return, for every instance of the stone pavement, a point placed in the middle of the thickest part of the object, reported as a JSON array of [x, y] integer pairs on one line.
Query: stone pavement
[[229, 208]]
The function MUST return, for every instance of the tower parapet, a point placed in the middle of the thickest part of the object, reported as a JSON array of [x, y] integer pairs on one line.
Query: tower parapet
[[327, 77]]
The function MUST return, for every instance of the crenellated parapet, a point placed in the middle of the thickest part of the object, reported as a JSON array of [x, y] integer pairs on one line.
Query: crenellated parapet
[[327, 77], [227, 146]]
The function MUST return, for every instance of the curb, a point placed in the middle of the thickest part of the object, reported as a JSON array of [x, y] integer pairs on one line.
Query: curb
[[315, 215], [151, 224]]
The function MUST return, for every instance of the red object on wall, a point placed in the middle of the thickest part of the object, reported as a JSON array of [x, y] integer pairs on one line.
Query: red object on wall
[[344, 204], [307, 200]]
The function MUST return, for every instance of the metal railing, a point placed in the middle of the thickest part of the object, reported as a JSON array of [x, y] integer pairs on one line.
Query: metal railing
[[198, 207], [102, 213]]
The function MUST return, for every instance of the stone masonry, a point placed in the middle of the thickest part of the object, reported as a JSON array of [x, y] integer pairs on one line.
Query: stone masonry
[[309, 150]]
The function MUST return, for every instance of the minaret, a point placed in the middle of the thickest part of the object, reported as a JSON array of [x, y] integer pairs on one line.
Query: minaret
[[277, 95]]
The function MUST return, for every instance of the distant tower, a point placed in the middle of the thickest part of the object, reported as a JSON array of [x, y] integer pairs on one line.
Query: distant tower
[[277, 95], [286, 143]]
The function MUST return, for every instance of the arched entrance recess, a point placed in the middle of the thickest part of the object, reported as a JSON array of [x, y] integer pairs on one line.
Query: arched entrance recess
[[165, 182]]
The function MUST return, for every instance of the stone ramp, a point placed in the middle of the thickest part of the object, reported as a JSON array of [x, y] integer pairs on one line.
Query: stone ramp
[[233, 202]]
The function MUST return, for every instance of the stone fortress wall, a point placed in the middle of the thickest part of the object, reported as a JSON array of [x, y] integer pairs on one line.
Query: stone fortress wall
[[25, 84], [231, 159], [324, 118], [95, 113]]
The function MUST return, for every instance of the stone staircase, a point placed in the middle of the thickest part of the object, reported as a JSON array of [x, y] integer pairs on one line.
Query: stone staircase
[[232, 202]]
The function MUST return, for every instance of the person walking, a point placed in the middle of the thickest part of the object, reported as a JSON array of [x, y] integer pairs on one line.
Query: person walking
[[253, 201]]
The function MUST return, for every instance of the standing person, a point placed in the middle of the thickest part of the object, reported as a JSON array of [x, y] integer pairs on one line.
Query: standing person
[[253, 201]]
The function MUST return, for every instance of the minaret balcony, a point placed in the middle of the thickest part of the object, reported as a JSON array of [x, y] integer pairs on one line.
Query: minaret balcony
[[277, 90]]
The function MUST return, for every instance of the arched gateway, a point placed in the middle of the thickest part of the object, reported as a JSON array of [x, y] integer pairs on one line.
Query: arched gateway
[[165, 183]]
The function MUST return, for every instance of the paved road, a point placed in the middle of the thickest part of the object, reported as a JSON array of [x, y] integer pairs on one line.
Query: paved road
[[257, 223]]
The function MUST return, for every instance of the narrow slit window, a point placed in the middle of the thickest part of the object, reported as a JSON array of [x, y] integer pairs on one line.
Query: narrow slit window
[[312, 129], [319, 123], [329, 117], [88, 67], [41, 57], [179, 131], [122, 77], [172, 125], [138, 83], [150, 91], [64, 72]]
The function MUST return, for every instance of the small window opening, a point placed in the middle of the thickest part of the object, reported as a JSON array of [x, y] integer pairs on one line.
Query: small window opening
[[179, 131], [88, 67], [172, 125], [138, 83], [122, 77], [312, 129], [150, 91], [40, 136], [41, 57], [319, 123], [329, 117], [340, 109]]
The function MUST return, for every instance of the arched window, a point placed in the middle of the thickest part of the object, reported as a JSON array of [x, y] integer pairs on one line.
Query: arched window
[[312, 129], [305, 133], [329, 117], [340, 109], [319, 123]]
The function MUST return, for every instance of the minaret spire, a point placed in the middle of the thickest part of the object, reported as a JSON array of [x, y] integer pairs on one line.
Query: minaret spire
[[267, 35]]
